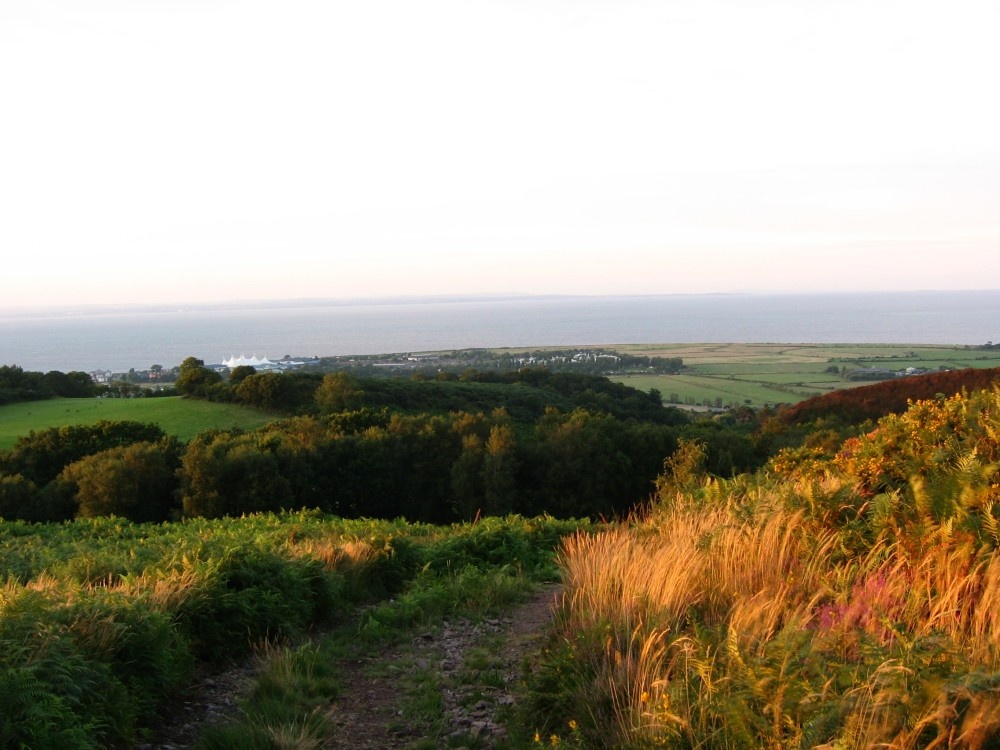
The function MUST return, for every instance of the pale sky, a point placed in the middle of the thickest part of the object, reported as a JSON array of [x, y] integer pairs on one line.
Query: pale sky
[[207, 151]]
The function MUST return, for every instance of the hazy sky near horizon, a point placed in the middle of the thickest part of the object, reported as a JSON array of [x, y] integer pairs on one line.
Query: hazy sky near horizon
[[208, 150]]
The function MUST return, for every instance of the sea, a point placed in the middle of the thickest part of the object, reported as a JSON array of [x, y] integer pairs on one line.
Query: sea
[[123, 338]]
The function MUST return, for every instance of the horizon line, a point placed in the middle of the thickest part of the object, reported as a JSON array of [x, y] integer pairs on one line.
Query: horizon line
[[405, 299]]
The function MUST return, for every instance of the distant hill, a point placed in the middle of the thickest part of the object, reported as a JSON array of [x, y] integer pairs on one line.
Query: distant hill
[[889, 396]]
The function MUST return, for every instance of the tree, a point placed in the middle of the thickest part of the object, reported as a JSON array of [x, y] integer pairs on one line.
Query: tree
[[40, 456], [467, 477], [69, 385], [498, 470], [194, 377], [267, 390], [18, 497], [228, 474], [18, 385], [683, 470], [238, 374], [338, 392], [586, 471], [136, 481]]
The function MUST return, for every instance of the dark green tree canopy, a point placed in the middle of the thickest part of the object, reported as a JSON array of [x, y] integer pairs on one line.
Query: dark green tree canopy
[[240, 373], [195, 378], [40, 456]]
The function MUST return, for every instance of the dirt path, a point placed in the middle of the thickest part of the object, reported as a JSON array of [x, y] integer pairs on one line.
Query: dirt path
[[471, 669], [446, 687]]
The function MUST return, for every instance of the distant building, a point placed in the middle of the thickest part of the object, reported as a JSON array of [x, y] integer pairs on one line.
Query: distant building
[[244, 361], [263, 363]]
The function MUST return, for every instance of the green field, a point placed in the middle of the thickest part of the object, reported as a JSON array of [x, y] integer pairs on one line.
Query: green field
[[768, 374], [178, 416], [721, 374]]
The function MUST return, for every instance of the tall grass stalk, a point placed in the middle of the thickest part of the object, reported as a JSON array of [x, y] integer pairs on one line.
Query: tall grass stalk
[[629, 579], [726, 628], [744, 577]]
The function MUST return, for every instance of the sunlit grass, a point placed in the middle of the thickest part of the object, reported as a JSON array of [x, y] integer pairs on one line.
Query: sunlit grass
[[794, 610], [178, 416], [103, 621]]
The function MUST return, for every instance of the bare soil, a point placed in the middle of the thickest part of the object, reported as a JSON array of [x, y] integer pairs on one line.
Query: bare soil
[[475, 697]]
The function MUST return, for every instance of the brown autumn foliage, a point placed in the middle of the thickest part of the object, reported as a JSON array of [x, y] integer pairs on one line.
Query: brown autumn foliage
[[888, 396]]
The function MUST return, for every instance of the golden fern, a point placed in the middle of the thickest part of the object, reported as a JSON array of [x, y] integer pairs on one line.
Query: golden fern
[[922, 501], [991, 524]]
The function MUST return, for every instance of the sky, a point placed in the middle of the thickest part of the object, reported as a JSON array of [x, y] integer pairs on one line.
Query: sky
[[208, 151]]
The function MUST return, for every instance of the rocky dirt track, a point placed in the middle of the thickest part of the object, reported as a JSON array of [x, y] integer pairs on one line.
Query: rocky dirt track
[[475, 667]]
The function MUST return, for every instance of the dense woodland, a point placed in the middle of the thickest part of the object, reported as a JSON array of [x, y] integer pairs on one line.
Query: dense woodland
[[437, 450]]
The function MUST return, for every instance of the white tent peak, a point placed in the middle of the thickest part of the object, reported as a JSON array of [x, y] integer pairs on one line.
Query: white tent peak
[[244, 361]]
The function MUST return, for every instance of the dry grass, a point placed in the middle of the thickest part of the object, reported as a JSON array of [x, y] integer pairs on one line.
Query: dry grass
[[338, 554], [753, 579], [710, 560], [629, 579], [165, 591]]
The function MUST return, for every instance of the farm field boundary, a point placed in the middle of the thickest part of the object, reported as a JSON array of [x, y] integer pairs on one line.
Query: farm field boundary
[[726, 375]]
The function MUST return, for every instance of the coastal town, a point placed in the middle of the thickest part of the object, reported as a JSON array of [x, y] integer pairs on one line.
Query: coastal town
[[432, 364]]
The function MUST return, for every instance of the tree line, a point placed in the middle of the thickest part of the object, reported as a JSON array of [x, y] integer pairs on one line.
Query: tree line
[[18, 385], [525, 442], [429, 449]]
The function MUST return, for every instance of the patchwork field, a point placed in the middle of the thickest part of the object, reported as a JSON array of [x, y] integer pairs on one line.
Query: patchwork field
[[719, 375], [767, 374]]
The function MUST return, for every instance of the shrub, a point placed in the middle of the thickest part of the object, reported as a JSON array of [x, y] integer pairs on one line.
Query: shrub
[[247, 596], [136, 482]]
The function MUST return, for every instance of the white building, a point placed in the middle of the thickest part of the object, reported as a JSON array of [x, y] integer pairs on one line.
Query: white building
[[244, 361]]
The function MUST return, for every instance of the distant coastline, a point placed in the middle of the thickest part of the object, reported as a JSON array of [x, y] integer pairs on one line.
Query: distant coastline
[[122, 337]]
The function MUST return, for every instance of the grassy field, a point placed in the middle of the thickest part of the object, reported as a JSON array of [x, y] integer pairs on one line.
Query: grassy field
[[184, 418], [720, 374], [767, 374]]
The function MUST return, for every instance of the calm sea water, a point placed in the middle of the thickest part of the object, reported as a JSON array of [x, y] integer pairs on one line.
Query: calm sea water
[[122, 340]]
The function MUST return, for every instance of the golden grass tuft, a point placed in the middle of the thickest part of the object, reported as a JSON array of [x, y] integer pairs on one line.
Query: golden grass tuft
[[792, 609], [627, 578], [166, 590], [711, 560], [748, 576], [338, 554], [754, 578], [297, 736], [640, 689]]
